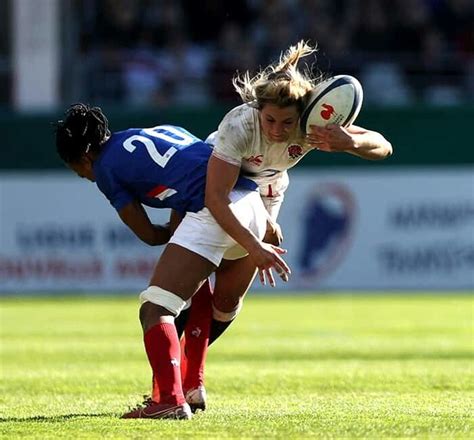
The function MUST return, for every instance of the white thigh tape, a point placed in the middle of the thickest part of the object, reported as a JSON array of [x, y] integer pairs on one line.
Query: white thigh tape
[[225, 316], [188, 304], [163, 298]]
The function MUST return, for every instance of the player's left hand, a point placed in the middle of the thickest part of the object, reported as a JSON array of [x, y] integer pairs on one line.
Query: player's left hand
[[267, 258], [332, 138]]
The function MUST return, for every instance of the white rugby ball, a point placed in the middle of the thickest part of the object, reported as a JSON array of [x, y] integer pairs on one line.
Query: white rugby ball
[[337, 100]]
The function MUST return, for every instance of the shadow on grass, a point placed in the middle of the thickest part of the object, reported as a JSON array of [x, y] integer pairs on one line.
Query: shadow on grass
[[60, 418]]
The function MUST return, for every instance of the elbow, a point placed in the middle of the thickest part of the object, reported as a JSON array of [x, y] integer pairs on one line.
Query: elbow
[[384, 151], [388, 150]]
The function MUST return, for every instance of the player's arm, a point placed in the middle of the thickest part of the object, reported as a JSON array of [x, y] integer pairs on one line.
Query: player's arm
[[175, 220], [135, 217], [355, 140], [368, 144], [221, 178]]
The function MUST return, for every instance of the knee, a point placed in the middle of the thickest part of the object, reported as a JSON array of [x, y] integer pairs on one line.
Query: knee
[[159, 305], [226, 315]]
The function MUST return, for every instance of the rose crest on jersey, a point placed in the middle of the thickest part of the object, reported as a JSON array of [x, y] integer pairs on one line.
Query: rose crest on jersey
[[295, 151], [256, 160]]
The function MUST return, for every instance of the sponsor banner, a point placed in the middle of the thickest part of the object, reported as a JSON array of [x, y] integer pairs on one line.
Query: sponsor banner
[[344, 229], [59, 233], [364, 229]]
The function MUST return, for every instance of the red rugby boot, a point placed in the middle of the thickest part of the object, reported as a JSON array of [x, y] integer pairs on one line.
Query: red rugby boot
[[150, 409]]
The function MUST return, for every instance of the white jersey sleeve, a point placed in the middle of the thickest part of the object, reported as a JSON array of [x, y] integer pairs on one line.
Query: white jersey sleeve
[[240, 141], [234, 135]]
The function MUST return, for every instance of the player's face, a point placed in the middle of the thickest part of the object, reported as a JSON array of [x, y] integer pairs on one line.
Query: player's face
[[83, 169], [278, 123]]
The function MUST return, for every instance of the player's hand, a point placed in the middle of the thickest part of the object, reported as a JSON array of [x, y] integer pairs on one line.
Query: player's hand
[[273, 235], [267, 257], [332, 138]]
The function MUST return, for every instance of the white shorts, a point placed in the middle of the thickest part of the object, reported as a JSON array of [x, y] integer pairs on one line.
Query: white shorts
[[200, 233], [273, 205], [273, 199]]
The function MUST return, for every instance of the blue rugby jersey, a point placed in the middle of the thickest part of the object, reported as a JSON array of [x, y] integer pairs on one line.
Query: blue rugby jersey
[[162, 167]]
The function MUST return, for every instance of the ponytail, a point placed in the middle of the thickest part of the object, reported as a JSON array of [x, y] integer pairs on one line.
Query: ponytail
[[281, 83]]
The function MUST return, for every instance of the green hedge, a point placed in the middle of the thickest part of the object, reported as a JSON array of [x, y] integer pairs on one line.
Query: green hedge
[[420, 136]]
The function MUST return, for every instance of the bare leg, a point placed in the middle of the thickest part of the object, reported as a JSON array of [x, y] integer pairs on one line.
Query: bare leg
[[233, 279], [179, 271]]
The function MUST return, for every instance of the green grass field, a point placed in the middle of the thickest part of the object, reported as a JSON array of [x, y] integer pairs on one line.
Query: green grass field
[[290, 367]]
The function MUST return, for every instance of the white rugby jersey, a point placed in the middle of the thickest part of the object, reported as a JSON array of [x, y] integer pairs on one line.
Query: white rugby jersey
[[240, 141]]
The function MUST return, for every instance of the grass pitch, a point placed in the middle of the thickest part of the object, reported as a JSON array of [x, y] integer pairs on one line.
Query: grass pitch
[[290, 367]]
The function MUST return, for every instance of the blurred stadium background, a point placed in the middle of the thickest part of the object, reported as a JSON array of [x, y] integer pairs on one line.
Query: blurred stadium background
[[350, 365], [405, 223]]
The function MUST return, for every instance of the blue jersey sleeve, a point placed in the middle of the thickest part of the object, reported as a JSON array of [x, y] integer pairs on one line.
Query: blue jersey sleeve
[[117, 195]]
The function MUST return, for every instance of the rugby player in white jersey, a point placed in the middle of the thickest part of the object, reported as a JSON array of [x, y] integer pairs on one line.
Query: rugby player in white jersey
[[261, 139]]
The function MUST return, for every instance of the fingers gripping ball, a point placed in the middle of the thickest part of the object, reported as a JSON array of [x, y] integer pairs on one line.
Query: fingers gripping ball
[[337, 100]]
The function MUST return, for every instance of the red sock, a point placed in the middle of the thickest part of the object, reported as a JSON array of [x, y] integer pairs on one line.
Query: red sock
[[197, 336], [155, 390], [155, 394], [184, 359], [163, 351]]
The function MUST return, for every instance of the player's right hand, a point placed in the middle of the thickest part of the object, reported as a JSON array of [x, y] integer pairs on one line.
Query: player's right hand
[[273, 235], [267, 257]]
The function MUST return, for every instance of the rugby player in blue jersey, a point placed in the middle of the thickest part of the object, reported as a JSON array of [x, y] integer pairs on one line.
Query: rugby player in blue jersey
[[165, 167]]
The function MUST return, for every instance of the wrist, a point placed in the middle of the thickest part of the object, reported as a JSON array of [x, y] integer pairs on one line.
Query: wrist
[[252, 244], [353, 145]]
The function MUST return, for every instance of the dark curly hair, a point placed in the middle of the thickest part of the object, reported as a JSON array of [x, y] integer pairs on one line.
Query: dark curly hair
[[84, 129]]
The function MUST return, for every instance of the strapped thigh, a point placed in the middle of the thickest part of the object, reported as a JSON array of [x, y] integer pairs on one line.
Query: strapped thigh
[[163, 298]]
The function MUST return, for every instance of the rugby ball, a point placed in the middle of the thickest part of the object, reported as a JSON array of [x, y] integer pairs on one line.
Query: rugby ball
[[337, 100]]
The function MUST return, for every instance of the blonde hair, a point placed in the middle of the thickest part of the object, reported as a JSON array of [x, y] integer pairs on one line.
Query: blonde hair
[[280, 83]]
